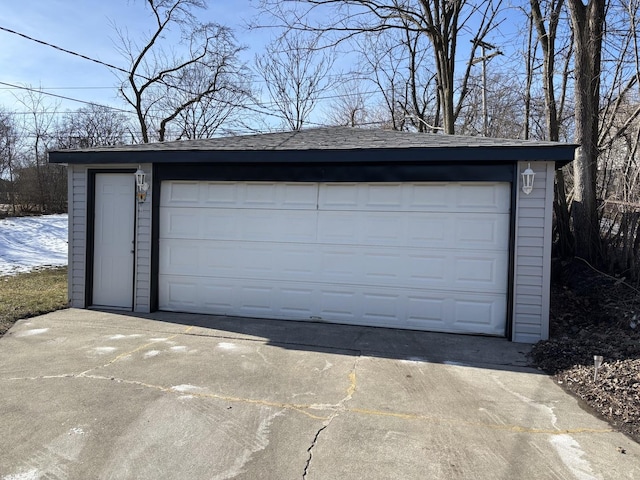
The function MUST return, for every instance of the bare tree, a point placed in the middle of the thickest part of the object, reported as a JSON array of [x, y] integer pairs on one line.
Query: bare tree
[[205, 118], [443, 22], [383, 62], [546, 25], [349, 108], [618, 180], [8, 158], [587, 22], [503, 104], [397, 64], [38, 182], [296, 74], [547, 35], [91, 126], [157, 73]]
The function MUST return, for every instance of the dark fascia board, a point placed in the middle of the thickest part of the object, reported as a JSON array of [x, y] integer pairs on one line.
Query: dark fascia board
[[562, 154], [337, 172]]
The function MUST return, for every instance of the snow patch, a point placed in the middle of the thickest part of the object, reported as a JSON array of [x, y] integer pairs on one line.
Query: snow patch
[[414, 360], [539, 406], [455, 364], [571, 455], [104, 350], [27, 243], [51, 460], [119, 336], [33, 474], [33, 331], [186, 388]]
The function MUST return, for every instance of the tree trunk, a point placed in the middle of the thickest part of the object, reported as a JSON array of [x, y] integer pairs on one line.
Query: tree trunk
[[587, 24], [565, 244], [547, 38]]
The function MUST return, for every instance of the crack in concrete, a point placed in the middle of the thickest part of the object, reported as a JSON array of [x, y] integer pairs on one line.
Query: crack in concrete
[[339, 408], [300, 408], [336, 409], [313, 444]]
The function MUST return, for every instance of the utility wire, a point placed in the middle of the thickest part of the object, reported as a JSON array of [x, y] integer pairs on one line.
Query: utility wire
[[120, 69], [64, 88], [64, 97], [42, 42]]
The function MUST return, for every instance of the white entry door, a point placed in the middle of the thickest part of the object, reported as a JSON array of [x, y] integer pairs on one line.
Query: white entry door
[[113, 240]]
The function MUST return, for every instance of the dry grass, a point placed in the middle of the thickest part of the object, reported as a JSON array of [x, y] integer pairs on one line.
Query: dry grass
[[29, 294]]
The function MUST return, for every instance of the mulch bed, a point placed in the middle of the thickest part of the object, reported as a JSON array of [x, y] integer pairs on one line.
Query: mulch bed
[[594, 314]]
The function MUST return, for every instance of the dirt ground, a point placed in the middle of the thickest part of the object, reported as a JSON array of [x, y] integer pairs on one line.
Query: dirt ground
[[593, 314]]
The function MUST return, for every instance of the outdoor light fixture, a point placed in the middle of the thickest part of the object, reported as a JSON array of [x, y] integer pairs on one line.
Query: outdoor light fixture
[[141, 185], [527, 180]]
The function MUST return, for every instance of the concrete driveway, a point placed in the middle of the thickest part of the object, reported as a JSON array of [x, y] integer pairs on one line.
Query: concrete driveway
[[96, 395]]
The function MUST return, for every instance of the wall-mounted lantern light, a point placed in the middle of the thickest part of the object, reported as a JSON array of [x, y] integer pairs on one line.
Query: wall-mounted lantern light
[[141, 185], [527, 180]]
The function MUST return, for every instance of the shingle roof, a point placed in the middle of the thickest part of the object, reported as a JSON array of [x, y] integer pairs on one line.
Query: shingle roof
[[408, 145]]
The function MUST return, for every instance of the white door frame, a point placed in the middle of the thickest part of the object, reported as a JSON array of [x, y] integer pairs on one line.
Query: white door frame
[[112, 243]]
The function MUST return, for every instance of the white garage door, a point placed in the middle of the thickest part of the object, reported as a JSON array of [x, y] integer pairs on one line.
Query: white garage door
[[424, 256]]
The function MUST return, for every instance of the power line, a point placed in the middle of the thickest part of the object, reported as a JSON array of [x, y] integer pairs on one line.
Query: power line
[[64, 97], [42, 42], [247, 106], [64, 88]]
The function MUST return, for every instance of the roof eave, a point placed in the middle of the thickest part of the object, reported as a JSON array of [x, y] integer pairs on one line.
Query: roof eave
[[562, 154]]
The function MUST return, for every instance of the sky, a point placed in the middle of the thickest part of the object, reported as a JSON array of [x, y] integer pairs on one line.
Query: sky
[[87, 27]]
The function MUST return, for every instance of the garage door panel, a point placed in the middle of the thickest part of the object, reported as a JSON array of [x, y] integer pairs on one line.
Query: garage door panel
[[199, 258], [433, 197], [420, 256], [297, 302], [481, 232], [179, 294], [382, 308], [180, 193], [336, 264], [382, 267], [480, 273], [180, 223], [241, 195], [237, 225], [476, 316], [473, 197], [414, 229], [456, 313], [357, 305], [339, 303]]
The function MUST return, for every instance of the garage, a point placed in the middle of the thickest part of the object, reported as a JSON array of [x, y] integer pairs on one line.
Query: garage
[[426, 256], [343, 225]]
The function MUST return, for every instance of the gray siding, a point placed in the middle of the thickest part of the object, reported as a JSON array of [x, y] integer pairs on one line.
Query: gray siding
[[142, 284], [77, 234], [78, 224], [533, 256]]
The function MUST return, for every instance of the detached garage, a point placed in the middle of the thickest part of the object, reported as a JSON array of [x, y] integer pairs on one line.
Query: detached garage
[[354, 226]]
